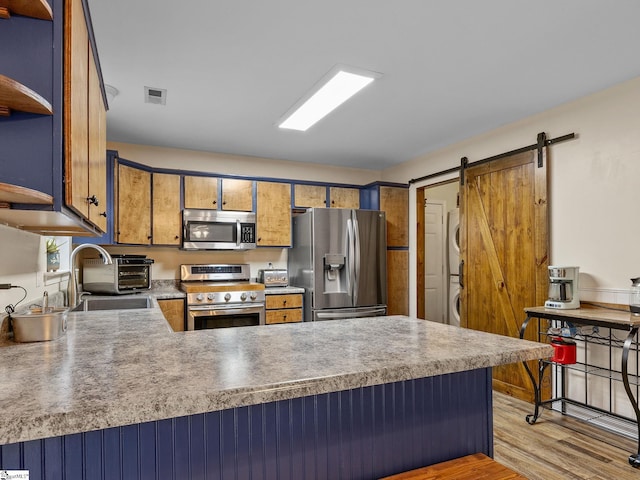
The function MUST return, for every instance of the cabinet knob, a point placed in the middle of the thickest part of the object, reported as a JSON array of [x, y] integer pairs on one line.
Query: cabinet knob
[[224, 203], [103, 214], [93, 200], [149, 237], [284, 302], [176, 237], [214, 202]]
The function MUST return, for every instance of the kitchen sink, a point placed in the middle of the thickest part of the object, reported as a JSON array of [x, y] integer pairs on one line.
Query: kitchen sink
[[115, 303]]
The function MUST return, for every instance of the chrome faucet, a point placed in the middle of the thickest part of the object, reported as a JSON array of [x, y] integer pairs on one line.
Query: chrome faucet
[[73, 296]]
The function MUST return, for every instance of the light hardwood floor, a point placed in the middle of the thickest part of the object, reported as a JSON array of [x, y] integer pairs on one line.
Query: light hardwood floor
[[557, 446]]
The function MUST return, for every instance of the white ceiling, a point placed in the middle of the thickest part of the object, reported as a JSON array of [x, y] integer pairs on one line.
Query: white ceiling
[[451, 69]]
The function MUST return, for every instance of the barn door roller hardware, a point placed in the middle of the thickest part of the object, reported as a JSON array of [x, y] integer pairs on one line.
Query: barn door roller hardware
[[542, 141]]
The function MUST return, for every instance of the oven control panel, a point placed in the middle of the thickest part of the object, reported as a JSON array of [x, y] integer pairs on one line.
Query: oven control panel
[[221, 298]]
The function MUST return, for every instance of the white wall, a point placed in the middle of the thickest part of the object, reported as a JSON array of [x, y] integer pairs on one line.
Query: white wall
[[23, 263], [167, 260], [594, 181], [160, 157]]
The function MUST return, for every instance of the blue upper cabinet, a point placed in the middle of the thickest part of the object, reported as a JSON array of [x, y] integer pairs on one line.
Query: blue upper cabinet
[[39, 152]]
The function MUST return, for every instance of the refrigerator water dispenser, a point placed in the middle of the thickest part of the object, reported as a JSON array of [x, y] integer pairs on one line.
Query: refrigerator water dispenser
[[335, 273]]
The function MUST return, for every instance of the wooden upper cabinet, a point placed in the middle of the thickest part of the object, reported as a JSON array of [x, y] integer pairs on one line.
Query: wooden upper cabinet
[[237, 195], [273, 214], [394, 201], [134, 206], [200, 192], [97, 193], [84, 122], [310, 196], [341, 197], [76, 108], [167, 220]]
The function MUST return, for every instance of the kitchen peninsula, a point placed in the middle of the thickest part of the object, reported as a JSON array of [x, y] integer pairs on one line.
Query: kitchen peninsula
[[122, 396]]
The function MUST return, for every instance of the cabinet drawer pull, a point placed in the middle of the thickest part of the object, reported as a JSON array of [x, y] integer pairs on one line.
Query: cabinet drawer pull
[[103, 214], [93, 200]]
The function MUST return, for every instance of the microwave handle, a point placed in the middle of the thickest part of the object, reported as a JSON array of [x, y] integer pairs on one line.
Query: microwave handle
[[238, 233]]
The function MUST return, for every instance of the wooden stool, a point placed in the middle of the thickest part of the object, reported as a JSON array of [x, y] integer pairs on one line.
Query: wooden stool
[[472, 467]]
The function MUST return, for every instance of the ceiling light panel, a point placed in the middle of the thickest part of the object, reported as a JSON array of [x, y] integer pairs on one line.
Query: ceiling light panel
[[340, 84]]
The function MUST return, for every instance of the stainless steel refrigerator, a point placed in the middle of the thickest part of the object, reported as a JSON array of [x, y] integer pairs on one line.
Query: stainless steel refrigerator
[[339, 256]]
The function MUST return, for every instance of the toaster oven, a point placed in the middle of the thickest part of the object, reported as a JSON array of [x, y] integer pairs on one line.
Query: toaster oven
[[127, 274]]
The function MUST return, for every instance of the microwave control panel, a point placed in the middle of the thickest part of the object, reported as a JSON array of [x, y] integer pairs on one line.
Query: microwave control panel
[[247, 233]]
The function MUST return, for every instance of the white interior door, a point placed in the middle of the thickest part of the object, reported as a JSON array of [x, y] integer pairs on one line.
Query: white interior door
[[435, 255]]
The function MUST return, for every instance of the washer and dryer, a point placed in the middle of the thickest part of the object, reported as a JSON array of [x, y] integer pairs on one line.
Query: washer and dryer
[[453, 243], [454, 300], [453, 240]]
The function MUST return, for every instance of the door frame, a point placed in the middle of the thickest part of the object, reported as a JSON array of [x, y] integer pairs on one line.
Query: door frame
[[420, 251], [445, 256]]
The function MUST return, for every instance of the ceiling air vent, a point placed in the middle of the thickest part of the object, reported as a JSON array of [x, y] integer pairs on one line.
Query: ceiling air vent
[[155, 95]]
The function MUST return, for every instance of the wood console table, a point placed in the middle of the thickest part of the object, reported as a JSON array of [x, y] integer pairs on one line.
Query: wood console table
[[595, 317]]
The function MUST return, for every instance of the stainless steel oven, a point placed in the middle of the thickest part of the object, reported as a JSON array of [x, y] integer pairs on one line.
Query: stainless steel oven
[[202, 317], [221, 296]]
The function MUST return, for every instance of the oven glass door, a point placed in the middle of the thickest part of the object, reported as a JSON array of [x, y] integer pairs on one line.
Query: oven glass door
[[202, 318]]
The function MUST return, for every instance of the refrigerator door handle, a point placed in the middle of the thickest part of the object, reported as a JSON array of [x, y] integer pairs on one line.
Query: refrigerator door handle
[[374, 312], [350, 270], [356, 253]]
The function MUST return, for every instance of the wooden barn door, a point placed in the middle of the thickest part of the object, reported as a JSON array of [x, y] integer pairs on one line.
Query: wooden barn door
[[504, 250]]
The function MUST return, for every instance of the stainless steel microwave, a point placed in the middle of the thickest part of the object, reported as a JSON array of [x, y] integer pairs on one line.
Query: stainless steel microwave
[[218, 230]]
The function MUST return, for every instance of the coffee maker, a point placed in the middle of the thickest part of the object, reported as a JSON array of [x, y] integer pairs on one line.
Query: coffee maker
[[563, 288]]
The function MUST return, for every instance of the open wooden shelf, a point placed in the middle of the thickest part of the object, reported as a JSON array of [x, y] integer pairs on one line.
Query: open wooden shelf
[[28, 8], [15, 96], [16, 194]]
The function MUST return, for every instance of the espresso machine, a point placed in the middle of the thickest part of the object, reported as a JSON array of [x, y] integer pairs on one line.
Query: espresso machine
[[563, 288]]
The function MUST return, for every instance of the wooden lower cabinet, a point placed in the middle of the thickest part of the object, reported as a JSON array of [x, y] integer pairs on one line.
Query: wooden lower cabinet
[[397, 282], [173, 311], [283, 308]]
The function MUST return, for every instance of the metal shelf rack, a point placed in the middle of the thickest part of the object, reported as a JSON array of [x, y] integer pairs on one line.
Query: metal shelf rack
[[615, 370]]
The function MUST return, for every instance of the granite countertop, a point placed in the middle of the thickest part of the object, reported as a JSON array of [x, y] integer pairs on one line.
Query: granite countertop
[[123, 367], [283, 290]]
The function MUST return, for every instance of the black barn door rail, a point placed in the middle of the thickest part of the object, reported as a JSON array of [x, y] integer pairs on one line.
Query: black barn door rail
[[542, 141]]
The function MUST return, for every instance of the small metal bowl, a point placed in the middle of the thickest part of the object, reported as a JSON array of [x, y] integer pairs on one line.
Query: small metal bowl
[[38, 326]]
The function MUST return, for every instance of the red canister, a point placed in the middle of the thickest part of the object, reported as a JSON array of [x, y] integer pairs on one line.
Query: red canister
[[564, 351]]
